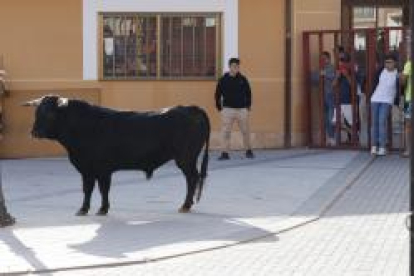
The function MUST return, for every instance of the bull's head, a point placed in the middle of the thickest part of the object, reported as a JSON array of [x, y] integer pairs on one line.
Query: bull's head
[[46, 123]]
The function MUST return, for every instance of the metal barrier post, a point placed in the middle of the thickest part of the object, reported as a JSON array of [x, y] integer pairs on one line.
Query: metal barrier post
[[389, 120], [354, 101], [307, 87], [337, 97], [321, 95]]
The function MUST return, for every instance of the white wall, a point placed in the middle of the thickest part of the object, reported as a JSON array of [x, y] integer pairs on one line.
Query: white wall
[[91, 8]]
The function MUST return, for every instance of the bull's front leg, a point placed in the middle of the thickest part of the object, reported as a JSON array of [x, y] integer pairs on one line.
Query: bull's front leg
[[104, 183], [88, 183]]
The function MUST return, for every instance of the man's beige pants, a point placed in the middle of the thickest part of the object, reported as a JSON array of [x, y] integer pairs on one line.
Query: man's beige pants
[[229, 116]]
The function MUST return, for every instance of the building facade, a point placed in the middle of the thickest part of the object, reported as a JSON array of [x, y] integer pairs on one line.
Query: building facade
[[145, 55]]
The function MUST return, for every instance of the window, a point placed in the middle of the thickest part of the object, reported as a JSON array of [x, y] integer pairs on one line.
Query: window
[[365, 12], [167, 46], [129, 46]]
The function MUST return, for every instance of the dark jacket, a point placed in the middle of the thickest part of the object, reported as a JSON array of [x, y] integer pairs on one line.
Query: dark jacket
[[376, 82], [345, 90], [233, 92]]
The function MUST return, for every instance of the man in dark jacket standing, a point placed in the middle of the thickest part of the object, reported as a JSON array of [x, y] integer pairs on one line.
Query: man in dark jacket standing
[[234, 99]]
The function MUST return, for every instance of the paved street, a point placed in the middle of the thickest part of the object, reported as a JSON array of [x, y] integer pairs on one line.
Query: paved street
[[297, 212]]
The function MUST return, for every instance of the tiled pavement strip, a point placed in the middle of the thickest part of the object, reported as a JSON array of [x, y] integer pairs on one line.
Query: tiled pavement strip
[[361, 234]]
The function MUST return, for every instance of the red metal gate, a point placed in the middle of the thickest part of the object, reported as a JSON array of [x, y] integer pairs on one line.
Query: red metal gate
[[365, 49]]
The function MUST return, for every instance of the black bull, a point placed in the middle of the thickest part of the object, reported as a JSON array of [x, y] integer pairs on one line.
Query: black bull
[[101, 141]]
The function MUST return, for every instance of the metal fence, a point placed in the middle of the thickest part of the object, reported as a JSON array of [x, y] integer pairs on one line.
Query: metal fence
[[364, 50]]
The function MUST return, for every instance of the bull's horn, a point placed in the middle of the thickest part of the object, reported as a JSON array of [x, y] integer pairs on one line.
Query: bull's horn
[[35, 102], [63, 101]]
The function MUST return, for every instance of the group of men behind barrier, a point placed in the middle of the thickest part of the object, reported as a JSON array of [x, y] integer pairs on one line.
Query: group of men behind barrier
[[388, 87]]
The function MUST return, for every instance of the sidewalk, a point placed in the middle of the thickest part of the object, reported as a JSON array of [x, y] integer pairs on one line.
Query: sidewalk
[[243, 200], [362, 235]]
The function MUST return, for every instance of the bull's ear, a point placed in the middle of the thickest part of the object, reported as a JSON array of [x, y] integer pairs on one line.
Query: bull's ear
[[35, 102], [63, 102]]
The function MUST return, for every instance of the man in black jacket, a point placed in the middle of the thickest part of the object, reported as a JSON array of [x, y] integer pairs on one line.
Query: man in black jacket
[[234, 99]]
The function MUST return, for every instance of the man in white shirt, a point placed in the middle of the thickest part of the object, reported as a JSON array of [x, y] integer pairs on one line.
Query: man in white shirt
[[386, 87]]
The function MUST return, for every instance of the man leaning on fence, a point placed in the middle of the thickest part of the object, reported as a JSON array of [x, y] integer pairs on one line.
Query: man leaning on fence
[[328, 74], [386, 86]]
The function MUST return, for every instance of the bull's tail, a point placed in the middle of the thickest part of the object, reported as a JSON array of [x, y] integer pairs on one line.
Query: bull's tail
[[204, 163]]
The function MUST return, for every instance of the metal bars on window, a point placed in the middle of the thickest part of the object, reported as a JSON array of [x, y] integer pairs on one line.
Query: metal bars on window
[[160, 46]]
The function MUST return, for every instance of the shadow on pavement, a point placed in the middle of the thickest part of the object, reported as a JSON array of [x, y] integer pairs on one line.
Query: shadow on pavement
[[111, 239]]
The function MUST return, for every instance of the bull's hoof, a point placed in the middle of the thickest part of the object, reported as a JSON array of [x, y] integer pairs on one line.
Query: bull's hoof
[[102, 212], [82, 212], [184, 210], [7, 221]]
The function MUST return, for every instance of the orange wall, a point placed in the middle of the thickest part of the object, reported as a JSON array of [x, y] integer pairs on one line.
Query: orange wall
[[41, 48], [42, 39], [261, 44]]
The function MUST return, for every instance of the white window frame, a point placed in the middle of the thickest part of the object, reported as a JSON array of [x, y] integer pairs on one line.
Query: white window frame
[[92, 8]]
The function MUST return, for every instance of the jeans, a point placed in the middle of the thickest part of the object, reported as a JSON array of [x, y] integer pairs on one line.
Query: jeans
[[380, 112], [329, 116]]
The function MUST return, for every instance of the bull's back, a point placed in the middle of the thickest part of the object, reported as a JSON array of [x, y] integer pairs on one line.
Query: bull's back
[[157, 136]]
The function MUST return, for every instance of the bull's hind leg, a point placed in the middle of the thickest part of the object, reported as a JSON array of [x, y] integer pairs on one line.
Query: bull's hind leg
[[191, 175], [104, 186], [88, 183]]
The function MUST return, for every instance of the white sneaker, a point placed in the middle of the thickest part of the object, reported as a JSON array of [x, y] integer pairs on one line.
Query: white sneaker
[[374, 150], [382, 152]]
